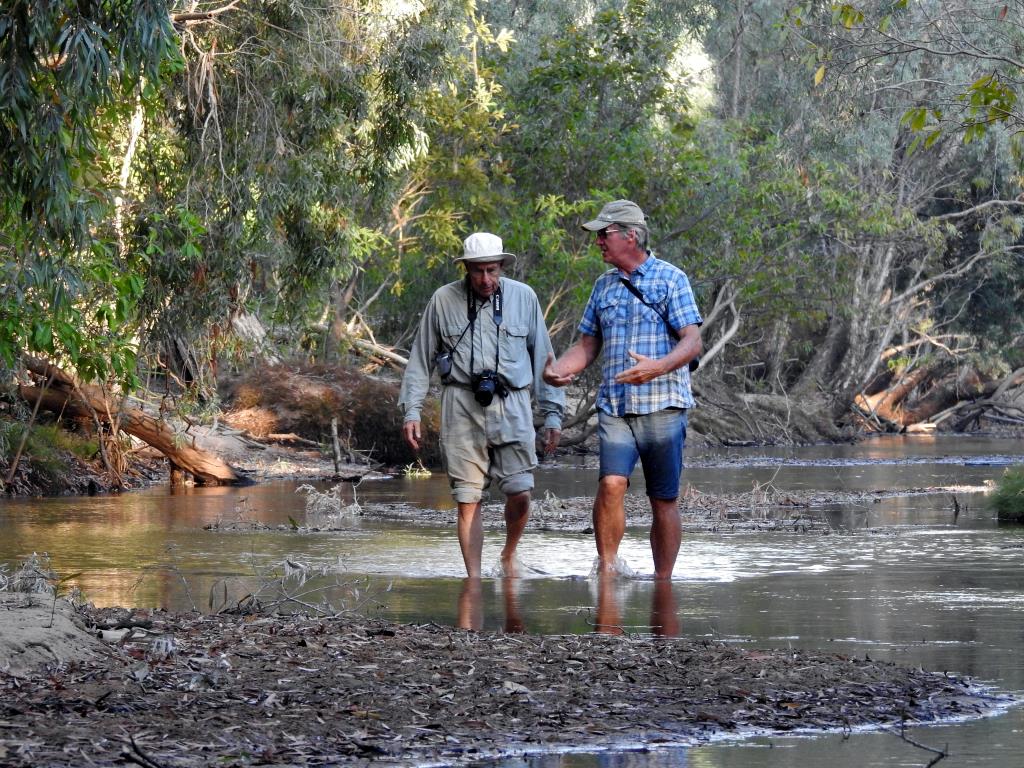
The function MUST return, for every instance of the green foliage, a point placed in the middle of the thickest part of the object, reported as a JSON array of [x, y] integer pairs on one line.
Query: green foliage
[[298, 147], [71, 76], [963, 35], [62, 440], [69, 69], [319, 167], [847, 15], [1008, 498], [44, 461], [585, 107], [991, 99]]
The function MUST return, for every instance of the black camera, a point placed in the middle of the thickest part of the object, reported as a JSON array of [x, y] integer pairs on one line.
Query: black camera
[[486, 385]]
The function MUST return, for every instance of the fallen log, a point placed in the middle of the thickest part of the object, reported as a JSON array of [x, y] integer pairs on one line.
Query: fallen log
[[85, 400], [888, 404], [932, 394]]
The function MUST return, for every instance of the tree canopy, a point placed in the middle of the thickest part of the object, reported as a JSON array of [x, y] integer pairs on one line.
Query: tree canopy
[[846, 201]]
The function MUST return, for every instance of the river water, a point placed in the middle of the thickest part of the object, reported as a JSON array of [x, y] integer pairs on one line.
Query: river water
[[902, 579]]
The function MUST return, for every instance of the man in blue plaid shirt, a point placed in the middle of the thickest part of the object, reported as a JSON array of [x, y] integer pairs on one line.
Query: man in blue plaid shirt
[[643, 317]]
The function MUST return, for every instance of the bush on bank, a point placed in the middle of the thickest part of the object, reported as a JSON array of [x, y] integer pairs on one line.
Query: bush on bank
[[1008, 499], [52, 460]]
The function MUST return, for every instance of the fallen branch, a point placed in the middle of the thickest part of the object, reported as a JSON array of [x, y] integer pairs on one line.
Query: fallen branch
[[134, 754], [291, 437], [87, 400], [939, 753], [365, 347]]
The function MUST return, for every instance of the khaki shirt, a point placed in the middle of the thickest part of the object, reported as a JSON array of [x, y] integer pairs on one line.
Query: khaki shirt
[[522, 341]]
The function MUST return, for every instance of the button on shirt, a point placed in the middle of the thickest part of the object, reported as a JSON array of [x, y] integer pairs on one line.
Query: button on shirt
[[624, 325], [521, 342]]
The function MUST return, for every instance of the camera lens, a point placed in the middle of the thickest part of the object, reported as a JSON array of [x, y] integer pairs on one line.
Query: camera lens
[[484, 387]]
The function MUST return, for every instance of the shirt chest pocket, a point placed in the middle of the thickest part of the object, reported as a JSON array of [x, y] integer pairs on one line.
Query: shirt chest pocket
[[450, 335], [611, 312], [512, 346], [657, 297]]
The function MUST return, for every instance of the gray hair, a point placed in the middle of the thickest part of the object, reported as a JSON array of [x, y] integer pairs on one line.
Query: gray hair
[[641, 234]]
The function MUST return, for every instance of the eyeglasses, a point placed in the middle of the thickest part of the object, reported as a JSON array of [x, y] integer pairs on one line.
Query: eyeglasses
[[603, 234]]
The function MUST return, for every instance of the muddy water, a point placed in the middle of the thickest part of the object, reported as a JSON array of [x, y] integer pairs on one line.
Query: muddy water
[[902, 580]]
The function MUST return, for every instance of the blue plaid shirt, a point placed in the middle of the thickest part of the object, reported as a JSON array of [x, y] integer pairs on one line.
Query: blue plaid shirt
[[623, 324]]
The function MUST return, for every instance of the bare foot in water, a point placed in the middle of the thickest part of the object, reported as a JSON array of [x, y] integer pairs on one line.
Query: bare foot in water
[[509, 565]]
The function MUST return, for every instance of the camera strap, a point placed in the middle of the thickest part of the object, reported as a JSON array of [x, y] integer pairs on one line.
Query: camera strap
[[695, 362], [496, 304], [461, 336], [664, 316]]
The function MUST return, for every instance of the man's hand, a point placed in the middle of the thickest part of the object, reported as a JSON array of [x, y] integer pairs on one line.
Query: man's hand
[[645, 370], [553, 376], [551, 438], [411, 433]]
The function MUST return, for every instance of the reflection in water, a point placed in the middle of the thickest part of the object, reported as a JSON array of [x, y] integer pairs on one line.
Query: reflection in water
[[470, 614], [471, 610], [513, 620], [611, 590], [664, 614], [608, 619]]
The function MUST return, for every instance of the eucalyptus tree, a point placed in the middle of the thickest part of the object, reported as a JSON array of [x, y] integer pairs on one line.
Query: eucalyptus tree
[[600, 110], [882, 264], [552, 107], [166, 168], [267, 182], [976, 77], [69, 75], [945, 76], [960, 70]]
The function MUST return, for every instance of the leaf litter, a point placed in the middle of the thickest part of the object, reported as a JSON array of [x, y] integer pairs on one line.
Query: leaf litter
[[190, 689]]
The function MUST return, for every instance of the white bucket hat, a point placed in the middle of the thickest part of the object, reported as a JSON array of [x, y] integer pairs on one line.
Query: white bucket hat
[[485, 247]]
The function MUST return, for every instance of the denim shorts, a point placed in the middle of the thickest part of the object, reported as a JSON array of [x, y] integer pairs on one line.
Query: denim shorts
[[657, 439]]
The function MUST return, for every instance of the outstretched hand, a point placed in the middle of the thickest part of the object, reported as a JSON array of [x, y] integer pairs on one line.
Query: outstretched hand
[[645, 370], [553, 376]]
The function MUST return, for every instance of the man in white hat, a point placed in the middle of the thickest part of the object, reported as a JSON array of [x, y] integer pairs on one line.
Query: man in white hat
[[643, 320], [485, 335]]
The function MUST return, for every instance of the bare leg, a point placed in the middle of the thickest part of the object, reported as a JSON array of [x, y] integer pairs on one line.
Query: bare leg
[[471, 614], [471, 536], [666, 535], [609, 520], [517, 512]]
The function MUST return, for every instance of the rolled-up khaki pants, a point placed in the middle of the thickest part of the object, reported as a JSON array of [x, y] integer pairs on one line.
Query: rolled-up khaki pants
[[480, 445]]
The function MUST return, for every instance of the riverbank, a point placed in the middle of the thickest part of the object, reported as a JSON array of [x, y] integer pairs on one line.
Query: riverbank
[[184, 690]]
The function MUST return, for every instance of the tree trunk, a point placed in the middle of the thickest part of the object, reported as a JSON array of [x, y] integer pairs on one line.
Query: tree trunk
[[81, 401], [776, 355]]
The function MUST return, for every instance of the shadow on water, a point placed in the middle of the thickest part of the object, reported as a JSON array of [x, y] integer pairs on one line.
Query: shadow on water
[[902, 579]]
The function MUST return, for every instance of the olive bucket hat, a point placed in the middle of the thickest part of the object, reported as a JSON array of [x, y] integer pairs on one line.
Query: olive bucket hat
[[617, 212], [485, 247]]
